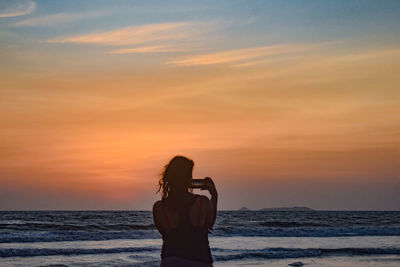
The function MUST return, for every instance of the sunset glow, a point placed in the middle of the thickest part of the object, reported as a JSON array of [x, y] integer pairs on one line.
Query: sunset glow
[[282, 103]]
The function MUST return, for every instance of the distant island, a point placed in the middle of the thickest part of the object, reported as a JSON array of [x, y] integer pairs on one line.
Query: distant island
[[281, 209]]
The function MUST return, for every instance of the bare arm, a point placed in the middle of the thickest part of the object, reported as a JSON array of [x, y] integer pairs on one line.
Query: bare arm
[[156, 216], [210, 186]]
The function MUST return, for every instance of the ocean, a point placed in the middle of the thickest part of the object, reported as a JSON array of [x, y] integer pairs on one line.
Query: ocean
[[245, 238]]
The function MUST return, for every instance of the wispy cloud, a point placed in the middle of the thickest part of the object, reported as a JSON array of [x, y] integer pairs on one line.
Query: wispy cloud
[[147, 49], [242, 55], [17, 8], [132, 35], [55, 19], [250, 63]]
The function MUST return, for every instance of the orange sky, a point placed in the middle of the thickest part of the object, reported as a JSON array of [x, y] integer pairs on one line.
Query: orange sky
[[88, 119]]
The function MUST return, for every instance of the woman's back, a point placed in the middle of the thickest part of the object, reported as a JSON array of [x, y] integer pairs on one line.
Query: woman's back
[[182, 218], [183, 224]]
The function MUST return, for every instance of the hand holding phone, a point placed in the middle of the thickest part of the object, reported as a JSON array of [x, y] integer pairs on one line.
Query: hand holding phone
[[204, 184], [197, 183]]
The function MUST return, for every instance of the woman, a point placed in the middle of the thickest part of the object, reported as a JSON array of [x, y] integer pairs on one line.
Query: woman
[[184, 218]]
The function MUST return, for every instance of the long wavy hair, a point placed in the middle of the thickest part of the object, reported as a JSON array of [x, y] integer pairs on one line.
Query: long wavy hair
[[177, 174]]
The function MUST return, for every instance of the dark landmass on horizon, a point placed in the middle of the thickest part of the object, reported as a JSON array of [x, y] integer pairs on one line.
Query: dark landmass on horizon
[[280, 209]]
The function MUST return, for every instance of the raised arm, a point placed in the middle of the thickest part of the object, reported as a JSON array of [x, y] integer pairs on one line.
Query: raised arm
[[210, 187]]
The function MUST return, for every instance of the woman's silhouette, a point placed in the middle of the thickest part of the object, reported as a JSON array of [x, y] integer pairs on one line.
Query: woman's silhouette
[[184, 218]]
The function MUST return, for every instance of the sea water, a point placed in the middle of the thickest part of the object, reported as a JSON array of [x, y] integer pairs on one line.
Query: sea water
[[245, 238]]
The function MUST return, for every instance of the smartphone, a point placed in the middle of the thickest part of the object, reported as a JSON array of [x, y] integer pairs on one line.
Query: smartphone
[[197, 183]]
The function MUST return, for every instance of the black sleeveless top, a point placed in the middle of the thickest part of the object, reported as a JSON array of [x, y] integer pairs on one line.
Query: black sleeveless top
[[185, 240]]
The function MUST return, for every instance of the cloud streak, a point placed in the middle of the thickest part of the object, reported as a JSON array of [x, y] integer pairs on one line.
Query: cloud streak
[[241, 55], [58, 18], [18, 9], [147, 49], [132, 35]]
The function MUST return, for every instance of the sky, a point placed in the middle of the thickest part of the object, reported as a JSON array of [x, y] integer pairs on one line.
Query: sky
[[282, 103]]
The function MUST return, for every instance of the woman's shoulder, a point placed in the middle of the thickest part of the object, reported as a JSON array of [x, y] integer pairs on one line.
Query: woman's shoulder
[[200, 211], [201, 202], [201, 198], [157, 205]]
